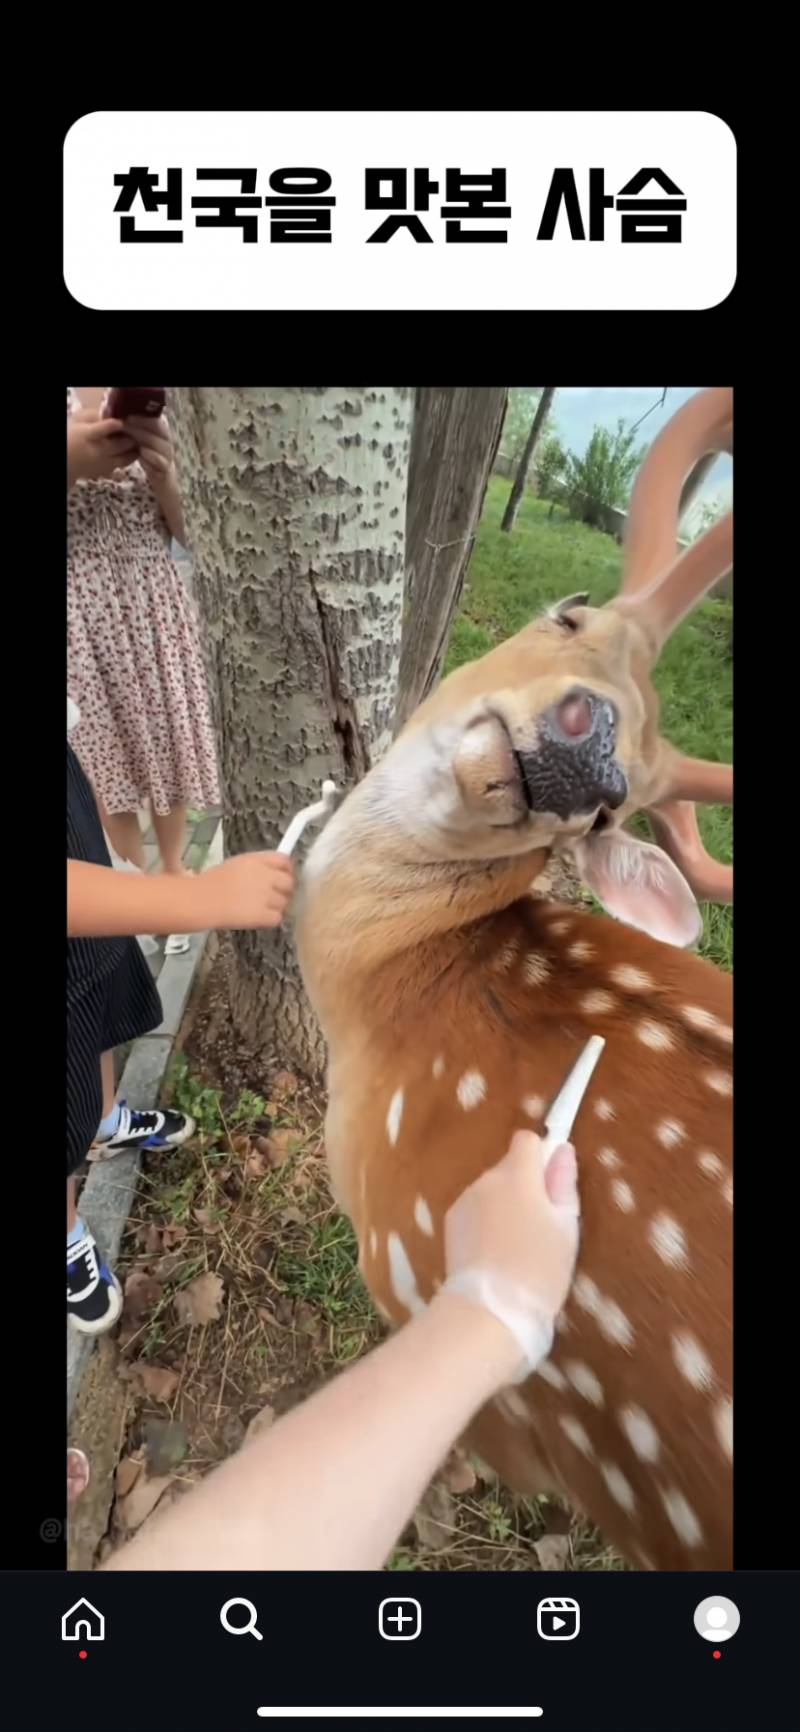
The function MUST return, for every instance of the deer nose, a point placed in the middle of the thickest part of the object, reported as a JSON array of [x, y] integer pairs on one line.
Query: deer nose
[[573, 768]]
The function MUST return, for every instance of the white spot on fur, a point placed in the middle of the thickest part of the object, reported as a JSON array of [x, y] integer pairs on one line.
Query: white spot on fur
[[512, 1407], [623, 1196], [618, 1486], [669, 1240], [552, 1375], [682, 1517], [655, 1035], [710, 1164], [583, 1379], [609, 1158], [576, 1433], [633, 979], [640, 1432], [586, 1294], [438, 1067], [534, 1106], [723, 1425], [373, 1242], [581, 951], [727, 1192], [394, 1115], [597, 1003], [604, 1110], [697, 1017], [535, 968], [505, 956], [423, 1217], [471, 1089], [692, 1362], [610, 1319], [404, 1281], [612, 1322], [560, 927], [670, 1132], [719, 1081]]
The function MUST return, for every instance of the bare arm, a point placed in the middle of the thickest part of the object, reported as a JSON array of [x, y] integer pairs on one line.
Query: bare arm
[[333, 1484], [328, 1488], [250, 890]]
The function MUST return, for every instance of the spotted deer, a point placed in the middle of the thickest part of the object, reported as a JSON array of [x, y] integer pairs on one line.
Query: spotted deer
[[454, 999]]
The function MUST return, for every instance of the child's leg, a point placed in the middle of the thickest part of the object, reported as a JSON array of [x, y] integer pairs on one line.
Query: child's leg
[[171, 832], [122, 829]]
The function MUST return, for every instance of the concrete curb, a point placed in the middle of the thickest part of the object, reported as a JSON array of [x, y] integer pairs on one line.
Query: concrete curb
[[107, 1196]]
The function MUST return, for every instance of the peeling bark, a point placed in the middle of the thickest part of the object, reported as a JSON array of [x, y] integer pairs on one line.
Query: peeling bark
[[294, 500]]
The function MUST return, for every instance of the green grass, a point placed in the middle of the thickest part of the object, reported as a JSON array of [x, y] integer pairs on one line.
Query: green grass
[[513, 577]]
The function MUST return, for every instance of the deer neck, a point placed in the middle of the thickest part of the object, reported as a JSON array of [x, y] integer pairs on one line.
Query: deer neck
[[376, 891]]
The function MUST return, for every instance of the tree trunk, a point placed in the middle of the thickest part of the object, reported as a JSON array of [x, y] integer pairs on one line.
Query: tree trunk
[[548, 393], [693, 482], [455, 436], [294, 499]]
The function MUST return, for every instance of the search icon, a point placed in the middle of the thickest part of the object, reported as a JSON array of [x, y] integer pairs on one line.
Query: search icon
[[248, 1629]]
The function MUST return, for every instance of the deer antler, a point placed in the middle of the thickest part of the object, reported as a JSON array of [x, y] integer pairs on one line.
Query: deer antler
[[659, 589]]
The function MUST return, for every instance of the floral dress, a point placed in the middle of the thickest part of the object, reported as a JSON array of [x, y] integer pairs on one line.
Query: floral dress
[[135, 664]]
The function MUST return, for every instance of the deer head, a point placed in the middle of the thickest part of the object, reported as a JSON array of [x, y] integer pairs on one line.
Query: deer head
[[453, 1004]]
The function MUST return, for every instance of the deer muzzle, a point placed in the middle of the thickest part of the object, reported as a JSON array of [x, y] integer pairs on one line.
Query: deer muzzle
[[572, 769]]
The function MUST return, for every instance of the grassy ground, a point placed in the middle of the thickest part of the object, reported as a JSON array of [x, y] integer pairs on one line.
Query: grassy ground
[[242, 1291]]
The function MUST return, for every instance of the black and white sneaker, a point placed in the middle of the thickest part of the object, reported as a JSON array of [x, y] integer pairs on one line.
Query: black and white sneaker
[[94, 1295], [161, 1129]]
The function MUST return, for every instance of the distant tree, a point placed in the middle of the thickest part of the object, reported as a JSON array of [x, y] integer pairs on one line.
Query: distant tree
[[603, 476], [523, 466], [523, 401], [551, 462]]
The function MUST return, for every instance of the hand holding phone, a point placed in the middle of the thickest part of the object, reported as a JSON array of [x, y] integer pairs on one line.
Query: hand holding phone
[[126, 400]]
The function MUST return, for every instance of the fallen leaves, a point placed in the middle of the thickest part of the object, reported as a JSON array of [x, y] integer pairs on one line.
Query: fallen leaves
[[142, 1293], [285, 1083], [154, 1380], [137, 1505], [259, 1423], [552, 1551], [435, 1520], [200, 1301]]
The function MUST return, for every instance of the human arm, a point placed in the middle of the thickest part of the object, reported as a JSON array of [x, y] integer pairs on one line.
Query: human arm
[[249, 890], [330, 1487]]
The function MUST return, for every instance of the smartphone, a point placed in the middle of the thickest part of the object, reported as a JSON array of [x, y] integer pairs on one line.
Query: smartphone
[[125, 400]]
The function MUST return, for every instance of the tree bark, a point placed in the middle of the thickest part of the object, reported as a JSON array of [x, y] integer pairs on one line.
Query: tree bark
[[548, 393], [294, 499], [456, 433]]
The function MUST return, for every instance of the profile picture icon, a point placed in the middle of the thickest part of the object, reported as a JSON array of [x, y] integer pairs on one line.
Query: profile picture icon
[[716, 1619]]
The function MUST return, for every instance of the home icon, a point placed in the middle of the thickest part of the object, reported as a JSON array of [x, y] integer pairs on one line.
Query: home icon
[[83, 1623]]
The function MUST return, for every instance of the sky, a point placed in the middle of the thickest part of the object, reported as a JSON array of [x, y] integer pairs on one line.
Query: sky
[[579, 408]]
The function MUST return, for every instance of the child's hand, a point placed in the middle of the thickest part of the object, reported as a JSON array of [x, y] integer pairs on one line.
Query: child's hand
[[248, 891]]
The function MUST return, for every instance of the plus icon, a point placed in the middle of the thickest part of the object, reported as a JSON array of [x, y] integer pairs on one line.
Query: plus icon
[[399, 1620]]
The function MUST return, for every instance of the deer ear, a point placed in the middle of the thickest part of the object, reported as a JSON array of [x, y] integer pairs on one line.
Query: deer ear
[[638, 883]]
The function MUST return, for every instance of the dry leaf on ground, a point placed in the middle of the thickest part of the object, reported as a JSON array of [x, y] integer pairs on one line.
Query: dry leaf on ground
[[173, 1236], [142, 1293], [201, 1300], [435, 1519], [128, 1471], [552, 1550], [154, 1380], [458, 1474], [132, 1510], [285, 1083], [260, 1422]]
